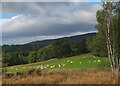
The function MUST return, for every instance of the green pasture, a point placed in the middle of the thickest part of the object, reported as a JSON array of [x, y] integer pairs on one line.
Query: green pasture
[[82, 62]]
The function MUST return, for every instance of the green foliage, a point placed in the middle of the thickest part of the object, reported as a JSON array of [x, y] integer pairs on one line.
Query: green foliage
[[62, 48], [45, 53], [98, 46], [58, 49], [33, 57]]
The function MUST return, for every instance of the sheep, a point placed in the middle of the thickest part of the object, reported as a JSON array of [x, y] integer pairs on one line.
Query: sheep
[[89, 61], [47, 65], [71, 61], [42, 67], [80, 62], [95, 61], [11, 67], [63, 64], [98, 60], [67, 60], [16, 69], [38, 67], [59, 65], [23, 67], [53, 66]]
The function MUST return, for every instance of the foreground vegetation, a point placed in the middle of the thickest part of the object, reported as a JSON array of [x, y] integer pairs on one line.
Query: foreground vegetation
[[66, 77]]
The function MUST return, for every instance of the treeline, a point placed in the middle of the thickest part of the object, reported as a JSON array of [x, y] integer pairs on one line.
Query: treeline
[[58, 49], [20, 48]]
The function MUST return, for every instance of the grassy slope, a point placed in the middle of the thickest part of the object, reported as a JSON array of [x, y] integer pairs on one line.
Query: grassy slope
[[85, 58]]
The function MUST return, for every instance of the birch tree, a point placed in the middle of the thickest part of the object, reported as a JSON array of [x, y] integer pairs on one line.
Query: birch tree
[[108, 25]]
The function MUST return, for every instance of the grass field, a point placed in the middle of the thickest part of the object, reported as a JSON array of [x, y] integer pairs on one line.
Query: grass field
[[83, 62], [84, 69]]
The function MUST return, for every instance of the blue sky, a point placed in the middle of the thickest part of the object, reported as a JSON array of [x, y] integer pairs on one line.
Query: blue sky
[[7, 16]]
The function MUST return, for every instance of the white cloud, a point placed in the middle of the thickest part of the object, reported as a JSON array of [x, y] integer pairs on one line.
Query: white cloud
[[47, 20]]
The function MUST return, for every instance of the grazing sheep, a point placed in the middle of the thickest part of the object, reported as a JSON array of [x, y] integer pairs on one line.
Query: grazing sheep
[[89, 61], [71, 61], [63, 64], [38, 67], [95, 61], [51, 67], [23, 67], [42, 68], [47, 65], [11, 67], [54, 66], [59, 65], [98, 60], [68, 61], [80, 62]]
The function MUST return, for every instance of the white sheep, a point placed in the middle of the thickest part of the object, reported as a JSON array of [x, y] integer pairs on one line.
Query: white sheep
[[63, 64], [95, 61], [53, 66], [11, 67], [89, 61], [67, 60], [42, 67], [23, 67], [38, 67], [80, 62], [98, 60], [59, 65], [71, 61], [47, 65]]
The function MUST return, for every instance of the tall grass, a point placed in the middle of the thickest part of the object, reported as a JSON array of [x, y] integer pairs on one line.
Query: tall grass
[[67, 77]]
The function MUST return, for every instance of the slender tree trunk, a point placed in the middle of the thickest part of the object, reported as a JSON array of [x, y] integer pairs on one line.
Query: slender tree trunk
[[109, 55], [110, 46], [108, 35]]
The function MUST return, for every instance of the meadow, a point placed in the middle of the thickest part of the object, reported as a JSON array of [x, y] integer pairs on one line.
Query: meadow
[[83, 62], [82, 69]]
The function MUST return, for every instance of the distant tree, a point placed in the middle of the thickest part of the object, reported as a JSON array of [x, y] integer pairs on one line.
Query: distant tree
[[45, 53], [62, 48], [33, 57]]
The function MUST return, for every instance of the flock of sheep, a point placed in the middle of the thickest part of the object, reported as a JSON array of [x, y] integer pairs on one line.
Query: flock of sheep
[[59, 65]]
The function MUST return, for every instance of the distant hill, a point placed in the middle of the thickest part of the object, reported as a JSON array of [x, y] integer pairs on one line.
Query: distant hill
[[39, 44], [76, 38]]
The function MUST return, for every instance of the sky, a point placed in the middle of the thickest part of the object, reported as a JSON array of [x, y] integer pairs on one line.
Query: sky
[[24, 22]]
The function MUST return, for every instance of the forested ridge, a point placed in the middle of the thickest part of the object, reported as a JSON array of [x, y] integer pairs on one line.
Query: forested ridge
[[36, 52]]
